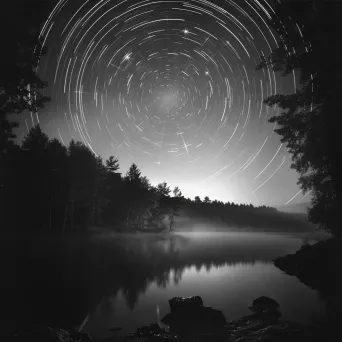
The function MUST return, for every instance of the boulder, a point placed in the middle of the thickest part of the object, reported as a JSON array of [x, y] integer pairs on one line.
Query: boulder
[[185, 303], [189, 318], [151, 333], [281, 332], [50, 335], [203, 316], [263, 304]]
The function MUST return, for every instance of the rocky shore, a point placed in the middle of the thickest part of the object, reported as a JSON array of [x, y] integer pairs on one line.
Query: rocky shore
[[190, 320], [317, 266]]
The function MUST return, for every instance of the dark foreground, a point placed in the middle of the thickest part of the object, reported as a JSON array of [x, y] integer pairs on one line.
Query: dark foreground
[[190, 320]]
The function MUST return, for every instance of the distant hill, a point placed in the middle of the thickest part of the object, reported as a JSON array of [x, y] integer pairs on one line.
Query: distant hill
[[294, 208]]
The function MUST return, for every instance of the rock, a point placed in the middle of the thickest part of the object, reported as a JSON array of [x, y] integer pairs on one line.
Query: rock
[[182, 303], [263, 303], [282, 332], [189, 320], [193, 321], [150, 329], [49, 335], [203, 316], [151, 333]]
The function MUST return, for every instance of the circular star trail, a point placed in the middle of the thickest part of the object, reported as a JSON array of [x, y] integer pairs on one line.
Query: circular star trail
[[172, 82]]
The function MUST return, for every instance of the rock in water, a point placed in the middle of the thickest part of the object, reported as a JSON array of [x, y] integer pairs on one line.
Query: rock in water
[[263, 303], [191, 321], [151, 333], [183, 303], [189, 318]]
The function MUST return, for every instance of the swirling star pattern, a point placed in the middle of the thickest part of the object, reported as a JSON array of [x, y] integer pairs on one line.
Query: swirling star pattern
[[172, 83]]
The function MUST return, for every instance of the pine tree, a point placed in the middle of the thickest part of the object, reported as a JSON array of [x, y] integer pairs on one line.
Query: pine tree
[[310, 33]]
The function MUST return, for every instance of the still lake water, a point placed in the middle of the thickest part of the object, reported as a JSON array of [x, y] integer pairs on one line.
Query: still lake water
[[228, 270], [119, 280]]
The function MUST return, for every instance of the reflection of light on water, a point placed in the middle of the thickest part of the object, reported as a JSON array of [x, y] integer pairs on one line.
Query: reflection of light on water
[[209, 272], [158, 314]]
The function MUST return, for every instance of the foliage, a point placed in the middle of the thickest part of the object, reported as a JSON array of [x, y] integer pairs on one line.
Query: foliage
[[309, 35], [67, 189], [20, 86]]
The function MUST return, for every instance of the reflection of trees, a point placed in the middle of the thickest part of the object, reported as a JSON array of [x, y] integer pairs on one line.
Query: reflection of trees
[[177, 276], [60, 287], [133, 268]]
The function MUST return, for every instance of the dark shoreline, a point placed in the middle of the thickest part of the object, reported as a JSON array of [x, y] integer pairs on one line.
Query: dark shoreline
[[319, 266], [316, 265]]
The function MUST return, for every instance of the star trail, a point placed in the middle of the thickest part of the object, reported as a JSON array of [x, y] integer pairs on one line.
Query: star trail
[[172, 86]]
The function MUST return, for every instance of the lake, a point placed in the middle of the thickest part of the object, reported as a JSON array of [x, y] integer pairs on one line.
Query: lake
[[117, 280]]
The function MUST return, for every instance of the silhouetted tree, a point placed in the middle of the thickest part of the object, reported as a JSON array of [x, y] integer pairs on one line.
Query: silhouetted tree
[[37, 171], [99, 200], [112, 164], [57, 160], [113, 212], [83, 169], [206, 200], [35, 141], [20, 86], [176, 192], [310, 33], [175, 204], [138, 197], [133, 174], [161, 204]]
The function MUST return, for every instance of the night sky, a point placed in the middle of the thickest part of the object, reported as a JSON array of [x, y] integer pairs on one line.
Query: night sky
[[172, 87]]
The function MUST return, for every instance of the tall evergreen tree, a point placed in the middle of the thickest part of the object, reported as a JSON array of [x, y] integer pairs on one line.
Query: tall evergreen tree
[[83, 167], [33, 178], [112, 164], [20, 86], [176, 192], [35, 141], [310, 33], [133, 174], [57, 160]]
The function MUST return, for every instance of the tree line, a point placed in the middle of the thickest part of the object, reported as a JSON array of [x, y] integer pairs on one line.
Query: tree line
[[51, 187]]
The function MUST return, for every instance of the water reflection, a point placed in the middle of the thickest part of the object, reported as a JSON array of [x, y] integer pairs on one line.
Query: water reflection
[[62, 282]]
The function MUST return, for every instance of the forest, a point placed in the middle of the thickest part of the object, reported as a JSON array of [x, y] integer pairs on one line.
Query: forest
[[50, 187]]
